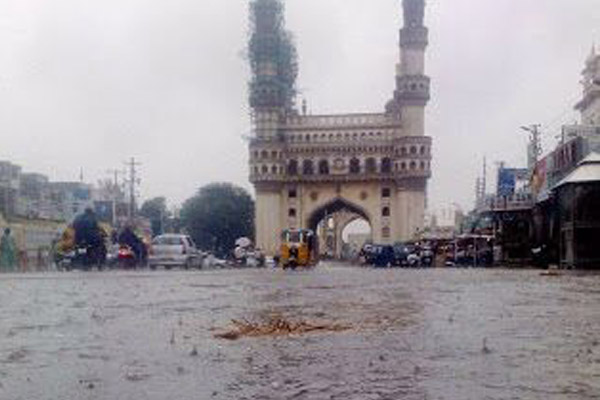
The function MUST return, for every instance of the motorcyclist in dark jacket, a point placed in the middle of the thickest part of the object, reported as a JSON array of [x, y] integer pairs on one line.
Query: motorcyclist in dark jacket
[[128, 237], [90, 236]]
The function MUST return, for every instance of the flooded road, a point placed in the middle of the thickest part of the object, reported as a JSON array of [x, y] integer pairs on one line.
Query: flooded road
[[412, 334]]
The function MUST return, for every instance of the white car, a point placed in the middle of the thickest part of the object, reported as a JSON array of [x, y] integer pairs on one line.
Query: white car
[[174, 250]]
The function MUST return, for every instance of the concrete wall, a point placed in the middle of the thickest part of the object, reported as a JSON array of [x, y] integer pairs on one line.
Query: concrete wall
[[34, 240]]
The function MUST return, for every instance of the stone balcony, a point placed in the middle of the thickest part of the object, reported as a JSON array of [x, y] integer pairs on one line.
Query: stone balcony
[[340, 177]]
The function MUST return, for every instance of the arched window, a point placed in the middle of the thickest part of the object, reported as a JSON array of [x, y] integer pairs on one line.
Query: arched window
[[385, 212], [413, 165], [292, 168], [292, 213], [274, 155], [265, 169], [308, 167], [422, 150], [371, 165], [403, 151], [256, 170], [413, 150], [403, 166], [323, 167], [308, 138], [274, 169], [256, 155], [355, 166], [386, 166], [264, 155]]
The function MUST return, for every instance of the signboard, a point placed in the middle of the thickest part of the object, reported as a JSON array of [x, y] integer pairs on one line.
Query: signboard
[[508, 179], [540, 180]]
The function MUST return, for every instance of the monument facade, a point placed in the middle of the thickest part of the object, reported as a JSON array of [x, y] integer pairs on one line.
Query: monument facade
[[308, 168]]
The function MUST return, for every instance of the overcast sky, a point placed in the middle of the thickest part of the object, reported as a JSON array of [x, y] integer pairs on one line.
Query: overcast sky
[[91, 83]]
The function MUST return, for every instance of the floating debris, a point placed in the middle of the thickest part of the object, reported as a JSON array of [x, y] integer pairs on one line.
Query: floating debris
[[277, 326]]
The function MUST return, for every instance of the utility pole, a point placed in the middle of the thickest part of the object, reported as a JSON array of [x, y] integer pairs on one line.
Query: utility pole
[[481, 186], [535, 144], [484, 179], [132, 182]]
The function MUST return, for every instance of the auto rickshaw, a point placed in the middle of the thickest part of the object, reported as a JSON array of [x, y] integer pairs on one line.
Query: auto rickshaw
[[298, 248]]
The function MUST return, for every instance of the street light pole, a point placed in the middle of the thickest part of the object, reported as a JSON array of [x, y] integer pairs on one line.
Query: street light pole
[[535, 142]]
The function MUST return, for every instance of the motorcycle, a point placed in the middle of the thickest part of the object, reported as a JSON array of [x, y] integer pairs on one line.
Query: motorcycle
[[126, 258], [86, 256]]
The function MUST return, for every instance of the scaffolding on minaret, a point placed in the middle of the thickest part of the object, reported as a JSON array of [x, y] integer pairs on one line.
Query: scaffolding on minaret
[[273, 59]]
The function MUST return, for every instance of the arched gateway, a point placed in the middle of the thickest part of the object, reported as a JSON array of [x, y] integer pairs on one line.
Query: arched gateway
[[307, 167]]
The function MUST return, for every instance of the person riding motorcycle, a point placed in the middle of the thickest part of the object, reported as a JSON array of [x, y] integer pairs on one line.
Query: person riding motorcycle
[[127, 237], [90, 238]]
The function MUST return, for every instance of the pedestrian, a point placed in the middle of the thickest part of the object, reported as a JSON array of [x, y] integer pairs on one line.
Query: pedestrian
[[8, 252]]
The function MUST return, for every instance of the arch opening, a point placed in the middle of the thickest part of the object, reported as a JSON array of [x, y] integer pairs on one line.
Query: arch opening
[[331, 221], [355, 235]]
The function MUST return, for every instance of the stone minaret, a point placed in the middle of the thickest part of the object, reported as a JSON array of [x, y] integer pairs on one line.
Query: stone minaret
[[412, 85]]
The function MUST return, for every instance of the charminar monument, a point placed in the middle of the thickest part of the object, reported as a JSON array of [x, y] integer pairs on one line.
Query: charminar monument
[[309, 168]]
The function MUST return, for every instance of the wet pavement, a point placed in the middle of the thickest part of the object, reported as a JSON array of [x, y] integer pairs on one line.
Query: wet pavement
[[414, 334]]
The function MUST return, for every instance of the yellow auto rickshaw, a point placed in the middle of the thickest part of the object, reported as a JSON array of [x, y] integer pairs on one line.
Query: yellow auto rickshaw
[[298, 248]]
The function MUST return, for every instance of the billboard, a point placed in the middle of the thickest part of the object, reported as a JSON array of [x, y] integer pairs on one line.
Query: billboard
[[508, 178]]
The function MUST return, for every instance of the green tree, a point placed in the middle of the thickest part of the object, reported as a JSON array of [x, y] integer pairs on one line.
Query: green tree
[[217, 215], [156, 211]]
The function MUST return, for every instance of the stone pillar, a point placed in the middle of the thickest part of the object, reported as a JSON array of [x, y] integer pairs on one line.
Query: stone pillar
[[269, 215]]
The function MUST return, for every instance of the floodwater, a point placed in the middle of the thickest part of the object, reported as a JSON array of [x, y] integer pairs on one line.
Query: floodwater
[[413, 334]]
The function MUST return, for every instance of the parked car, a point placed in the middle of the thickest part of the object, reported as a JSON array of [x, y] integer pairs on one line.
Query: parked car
[[401, 255], [381, 256], [174, 250]]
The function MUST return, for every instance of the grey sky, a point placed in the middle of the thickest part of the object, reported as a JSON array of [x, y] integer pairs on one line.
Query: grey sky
[[91, 83]]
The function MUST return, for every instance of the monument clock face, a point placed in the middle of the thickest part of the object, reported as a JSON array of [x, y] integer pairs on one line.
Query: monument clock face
[[338, 165]]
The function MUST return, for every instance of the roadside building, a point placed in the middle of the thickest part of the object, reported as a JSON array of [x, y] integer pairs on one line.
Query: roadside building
[[34, 196], [10, 178], [578, 199], [564, 181], [506, 215], [70, 199]]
